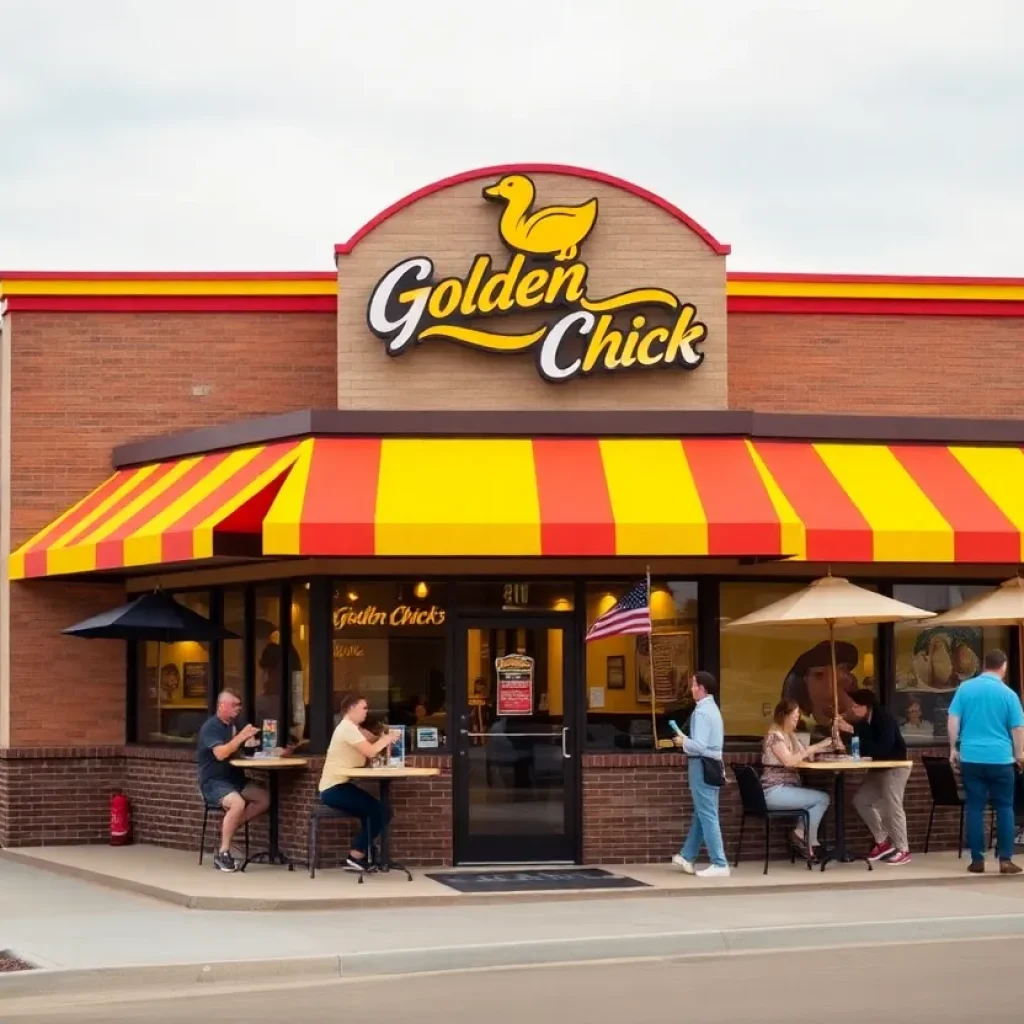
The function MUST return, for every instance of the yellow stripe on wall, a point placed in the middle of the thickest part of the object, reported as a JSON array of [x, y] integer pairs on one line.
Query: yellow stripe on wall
[[999, 473], [457, 497], [650, 480], [907, 527], [881, 290], [282, 525]]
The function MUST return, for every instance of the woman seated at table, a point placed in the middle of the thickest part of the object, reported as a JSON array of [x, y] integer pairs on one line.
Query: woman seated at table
[[351, 747], [782, 751]]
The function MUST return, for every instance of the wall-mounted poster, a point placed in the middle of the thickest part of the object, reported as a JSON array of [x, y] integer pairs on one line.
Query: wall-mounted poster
[[673, 666], [515, 684], [616, 672], [196, 679]]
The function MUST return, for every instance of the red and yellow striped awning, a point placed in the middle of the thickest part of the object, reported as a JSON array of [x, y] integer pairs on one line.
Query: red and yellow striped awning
[[161, 513], [693, 497]]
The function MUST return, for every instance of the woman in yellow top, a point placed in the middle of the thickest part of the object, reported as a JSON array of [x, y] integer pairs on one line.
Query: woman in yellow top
[[351, 747]]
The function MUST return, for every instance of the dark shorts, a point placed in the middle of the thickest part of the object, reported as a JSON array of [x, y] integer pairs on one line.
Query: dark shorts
[[215, 790]]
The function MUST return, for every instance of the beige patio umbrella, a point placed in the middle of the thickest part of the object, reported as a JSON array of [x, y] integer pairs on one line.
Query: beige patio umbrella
[[832, 601], [1003, 606]]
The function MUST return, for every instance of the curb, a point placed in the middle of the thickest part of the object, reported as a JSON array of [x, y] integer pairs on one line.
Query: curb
[[267, 973], [875, 880]]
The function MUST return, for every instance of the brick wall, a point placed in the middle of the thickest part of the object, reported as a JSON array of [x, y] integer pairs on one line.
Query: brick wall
[[82, 384], [637, 808], [897, 366]]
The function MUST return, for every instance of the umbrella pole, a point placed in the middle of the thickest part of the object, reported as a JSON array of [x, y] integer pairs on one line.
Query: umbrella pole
[[835, 683]]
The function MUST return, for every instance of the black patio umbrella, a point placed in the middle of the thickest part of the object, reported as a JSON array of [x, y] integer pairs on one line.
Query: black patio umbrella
[[153, 616]]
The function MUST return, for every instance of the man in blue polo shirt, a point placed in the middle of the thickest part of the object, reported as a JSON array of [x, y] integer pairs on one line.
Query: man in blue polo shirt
[[987, 719]]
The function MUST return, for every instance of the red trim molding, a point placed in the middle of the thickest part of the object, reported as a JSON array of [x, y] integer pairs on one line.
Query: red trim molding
[[900, 279], [344, 248], [173, 303], [872, 307], [169, 275]]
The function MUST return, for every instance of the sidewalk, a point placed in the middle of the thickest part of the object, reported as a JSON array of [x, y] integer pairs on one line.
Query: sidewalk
[[60, 922]]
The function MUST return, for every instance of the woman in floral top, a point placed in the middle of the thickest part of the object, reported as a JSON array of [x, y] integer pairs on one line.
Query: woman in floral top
[[781, 753]]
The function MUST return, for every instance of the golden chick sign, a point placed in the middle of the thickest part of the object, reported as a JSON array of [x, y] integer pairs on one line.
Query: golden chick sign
[[643, 328]]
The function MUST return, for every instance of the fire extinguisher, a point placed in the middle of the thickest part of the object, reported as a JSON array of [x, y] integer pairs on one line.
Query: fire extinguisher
[[120, 820]]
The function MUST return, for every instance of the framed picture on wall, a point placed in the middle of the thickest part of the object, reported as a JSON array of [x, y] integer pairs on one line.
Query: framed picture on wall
[[616, 672], [196, 677]]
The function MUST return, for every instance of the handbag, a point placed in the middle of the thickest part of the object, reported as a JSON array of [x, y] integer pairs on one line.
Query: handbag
[[714, 771]]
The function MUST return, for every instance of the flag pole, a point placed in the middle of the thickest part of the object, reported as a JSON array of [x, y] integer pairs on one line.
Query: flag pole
[[650, 662]]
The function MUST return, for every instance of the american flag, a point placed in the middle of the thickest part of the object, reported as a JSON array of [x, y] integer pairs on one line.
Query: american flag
[[631, 615]]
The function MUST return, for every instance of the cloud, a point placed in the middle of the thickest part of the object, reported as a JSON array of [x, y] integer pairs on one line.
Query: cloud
[[220, 135]]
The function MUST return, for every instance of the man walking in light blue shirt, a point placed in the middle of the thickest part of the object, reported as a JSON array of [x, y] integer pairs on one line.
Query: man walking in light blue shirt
[[706, 739], [987, 719]]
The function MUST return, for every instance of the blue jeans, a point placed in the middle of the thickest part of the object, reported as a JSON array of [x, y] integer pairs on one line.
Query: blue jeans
[[704, 829], [984, 783], [357, 802], [799, 798]]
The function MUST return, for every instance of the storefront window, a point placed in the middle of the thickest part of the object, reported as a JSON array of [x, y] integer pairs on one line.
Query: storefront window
[[618, 674], [269, 663], [760, 667], [175, 684], [932, 661], [516, 596], [234, 650], [298, 668], [389, 645]]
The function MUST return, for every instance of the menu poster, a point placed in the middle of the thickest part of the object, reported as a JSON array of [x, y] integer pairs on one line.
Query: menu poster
[[396, 752], [196, 677], [515, 684], [673, 665]]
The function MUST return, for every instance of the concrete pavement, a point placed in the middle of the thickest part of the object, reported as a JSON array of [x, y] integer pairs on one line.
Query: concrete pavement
[[940, 983]]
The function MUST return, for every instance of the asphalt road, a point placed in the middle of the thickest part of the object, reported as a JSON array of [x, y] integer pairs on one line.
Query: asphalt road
[[936, 983]]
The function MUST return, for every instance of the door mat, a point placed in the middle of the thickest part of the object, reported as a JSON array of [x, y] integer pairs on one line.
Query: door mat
[[535, 881]]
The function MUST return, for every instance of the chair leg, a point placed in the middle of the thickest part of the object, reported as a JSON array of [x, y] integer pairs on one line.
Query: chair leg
[[247, 840], [767, 842], [928, 834], [202, 838], [806, 816], [312, 850], [739, 842]]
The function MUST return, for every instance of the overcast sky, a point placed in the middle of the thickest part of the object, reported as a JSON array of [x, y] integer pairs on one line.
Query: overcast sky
[[837, 135]]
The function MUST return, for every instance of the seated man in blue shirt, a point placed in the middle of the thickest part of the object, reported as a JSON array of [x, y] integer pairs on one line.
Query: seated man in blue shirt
[[221, 783], [987, 720]]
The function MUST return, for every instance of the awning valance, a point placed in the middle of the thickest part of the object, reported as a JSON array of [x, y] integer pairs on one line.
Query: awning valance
[[165, 512], [554, 497]]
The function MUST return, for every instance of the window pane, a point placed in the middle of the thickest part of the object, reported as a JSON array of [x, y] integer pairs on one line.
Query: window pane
[[175, 683], [760, 667], [389, 645], [269, 664], [234, 654], [932, 661], [298, 667], [618, 686]]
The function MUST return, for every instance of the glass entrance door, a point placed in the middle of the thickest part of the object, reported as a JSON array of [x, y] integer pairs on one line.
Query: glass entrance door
[[516, 746]]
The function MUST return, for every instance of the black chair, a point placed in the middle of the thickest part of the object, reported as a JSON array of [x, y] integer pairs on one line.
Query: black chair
[[945, 793], [321, 812], [754, 806], [209, 809]]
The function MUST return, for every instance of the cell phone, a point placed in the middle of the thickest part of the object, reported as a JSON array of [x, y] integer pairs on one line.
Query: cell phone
[[675, 727]]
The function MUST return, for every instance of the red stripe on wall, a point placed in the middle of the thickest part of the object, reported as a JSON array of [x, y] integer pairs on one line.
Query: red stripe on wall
[[177, 542], [575, 507], [836, 530], [981, 532], [872, 307], [339, 511], [740, 515], [172, 303]]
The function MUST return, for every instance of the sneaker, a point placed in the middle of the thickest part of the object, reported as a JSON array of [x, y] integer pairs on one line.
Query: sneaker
[[900, 857], [681, 862], [976, 867], [881, 850], [715, 871], [358, 866], [223, 861], [1007, 867]]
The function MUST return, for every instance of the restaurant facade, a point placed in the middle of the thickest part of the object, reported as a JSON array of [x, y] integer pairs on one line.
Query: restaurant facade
[[423, 477]]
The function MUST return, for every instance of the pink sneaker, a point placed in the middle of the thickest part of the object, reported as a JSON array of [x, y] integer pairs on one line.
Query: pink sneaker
[[881, 851], [901, 857]]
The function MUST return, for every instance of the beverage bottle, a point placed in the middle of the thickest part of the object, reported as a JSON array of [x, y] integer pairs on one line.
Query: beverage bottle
[[855, 748]]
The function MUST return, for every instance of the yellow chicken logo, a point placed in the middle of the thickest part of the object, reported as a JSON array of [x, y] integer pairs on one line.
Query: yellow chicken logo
[[557, 231]]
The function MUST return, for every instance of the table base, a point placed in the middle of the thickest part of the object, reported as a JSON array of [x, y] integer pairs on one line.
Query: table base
[[273, 857]]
